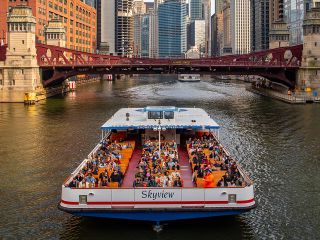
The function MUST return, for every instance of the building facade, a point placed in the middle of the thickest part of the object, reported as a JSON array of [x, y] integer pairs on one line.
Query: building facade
[[198, 36], [139, 9], [78, 18], [124, 27], [260, 24], [106, 26], [172, 28], [240, 26], [217, 29], [196, 10], [294, 13], [145, 35], [227, 35]]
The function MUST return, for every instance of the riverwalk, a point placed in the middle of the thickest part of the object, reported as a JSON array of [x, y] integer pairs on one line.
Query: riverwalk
[[293, 98]]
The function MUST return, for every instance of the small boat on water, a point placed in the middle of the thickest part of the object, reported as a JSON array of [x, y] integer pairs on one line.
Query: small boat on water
[[189, 77], [158, 164]]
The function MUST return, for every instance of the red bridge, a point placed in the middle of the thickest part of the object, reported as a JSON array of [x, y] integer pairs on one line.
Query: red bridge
[[278, 65]]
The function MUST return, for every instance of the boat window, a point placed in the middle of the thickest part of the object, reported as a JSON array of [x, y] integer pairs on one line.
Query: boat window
[[169, 115], [155, 115], [83, 199], [232, 198]]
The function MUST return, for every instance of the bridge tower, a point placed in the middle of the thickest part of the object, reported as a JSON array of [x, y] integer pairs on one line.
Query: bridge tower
[[20, 69], [55, 33], [309, 73]]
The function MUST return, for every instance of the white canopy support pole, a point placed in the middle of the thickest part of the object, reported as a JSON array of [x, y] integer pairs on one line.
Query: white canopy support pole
[[159, 141]]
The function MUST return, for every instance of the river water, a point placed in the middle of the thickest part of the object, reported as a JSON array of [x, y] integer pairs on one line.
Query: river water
[[277, 143]]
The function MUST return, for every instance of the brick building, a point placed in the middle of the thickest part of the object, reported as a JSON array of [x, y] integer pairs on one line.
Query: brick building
[[78, 17]]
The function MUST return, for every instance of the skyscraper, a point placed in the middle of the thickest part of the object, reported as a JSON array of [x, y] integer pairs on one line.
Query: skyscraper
[[172, 22], [207, 17], [196, 10], [227, 35], [217, 29], [294, 12], [197, 35], [260, 24], [124, 27], [139, 9], [240, 26], [106, 26]]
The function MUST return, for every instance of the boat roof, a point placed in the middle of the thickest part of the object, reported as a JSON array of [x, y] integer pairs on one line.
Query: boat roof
[[139, 118]]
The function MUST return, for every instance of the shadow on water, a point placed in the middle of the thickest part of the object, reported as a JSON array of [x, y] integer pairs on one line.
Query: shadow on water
[[214, 228]]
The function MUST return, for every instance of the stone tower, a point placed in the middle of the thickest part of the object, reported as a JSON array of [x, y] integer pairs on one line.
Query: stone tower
[[55, 33], [309, 73], [20, 69]]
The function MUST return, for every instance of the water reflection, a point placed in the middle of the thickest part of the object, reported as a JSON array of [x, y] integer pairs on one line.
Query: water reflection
[[277, 143], [91, 228]]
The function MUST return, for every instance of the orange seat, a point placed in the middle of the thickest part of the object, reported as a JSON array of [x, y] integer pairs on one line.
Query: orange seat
[[200, 182], [114, 185]]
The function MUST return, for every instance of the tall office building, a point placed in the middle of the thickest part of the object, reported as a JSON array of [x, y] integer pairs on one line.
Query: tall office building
[[145, 35], [139, 9], [78, 17], [240, 26], [197, 36], [294, 12], [207, 17], [172, 23], [196, 10], [260, 24], [227, 35], [124, 27], [106, 22], [217, 29]]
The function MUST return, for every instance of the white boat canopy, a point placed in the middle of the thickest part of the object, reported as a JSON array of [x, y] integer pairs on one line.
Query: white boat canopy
[[155, 117]]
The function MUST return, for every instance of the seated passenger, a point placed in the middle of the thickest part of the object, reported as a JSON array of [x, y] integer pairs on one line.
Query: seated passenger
[[220, 183], [82, 184], [90, 180], [104, 175], [152, 182], [103, 182], [116, 176], [137, 182], [200, 172], [73, 183], [177, 182], [208, 180]]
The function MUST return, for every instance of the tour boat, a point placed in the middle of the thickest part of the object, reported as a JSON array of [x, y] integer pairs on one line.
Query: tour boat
[[187, 133], [189, 77]]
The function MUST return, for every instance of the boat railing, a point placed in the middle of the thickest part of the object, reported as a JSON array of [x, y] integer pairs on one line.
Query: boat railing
[[244, 174], [136, 197]]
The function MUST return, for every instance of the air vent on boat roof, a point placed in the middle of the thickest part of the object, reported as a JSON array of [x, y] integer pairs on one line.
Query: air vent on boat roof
[[127, 116]]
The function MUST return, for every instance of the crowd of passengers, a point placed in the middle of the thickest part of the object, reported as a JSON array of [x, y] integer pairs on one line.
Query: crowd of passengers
[[217, 160], [158, 170], [107, 156]]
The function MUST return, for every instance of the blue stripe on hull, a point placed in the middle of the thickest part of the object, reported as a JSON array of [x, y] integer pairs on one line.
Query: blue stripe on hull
[[157, 216]]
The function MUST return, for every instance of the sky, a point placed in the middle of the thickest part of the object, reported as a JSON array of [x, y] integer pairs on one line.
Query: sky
[[212, 5]]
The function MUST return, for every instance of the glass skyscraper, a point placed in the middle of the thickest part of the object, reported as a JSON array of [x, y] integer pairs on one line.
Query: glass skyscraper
[[196, 11], [294, 12], [145, 35], [172, 27]]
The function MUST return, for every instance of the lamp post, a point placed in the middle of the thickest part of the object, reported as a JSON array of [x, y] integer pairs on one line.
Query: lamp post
[[159, 128]]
